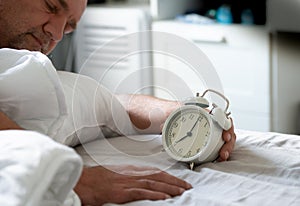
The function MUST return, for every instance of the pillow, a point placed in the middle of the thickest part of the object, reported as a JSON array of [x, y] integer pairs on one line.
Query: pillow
[[68, 107], [30, 91]]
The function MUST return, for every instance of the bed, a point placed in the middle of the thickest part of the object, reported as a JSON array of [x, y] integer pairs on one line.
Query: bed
[[264, 168]]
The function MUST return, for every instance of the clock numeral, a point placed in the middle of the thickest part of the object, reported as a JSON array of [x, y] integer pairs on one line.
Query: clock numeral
[[180, 150], [172, 135], [175, 125], [200, 118], [191, 116], [183, 119], [189, 153]]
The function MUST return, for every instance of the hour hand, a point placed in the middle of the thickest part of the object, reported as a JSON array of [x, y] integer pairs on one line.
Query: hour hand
[[187, 135]]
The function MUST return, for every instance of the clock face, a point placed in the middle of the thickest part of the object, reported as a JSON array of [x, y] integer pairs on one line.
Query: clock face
[[186, 132]]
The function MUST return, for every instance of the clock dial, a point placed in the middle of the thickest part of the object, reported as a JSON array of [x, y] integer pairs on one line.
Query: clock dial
[[187, 132]]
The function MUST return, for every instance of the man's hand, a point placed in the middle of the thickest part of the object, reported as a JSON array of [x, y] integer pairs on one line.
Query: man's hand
[[7, 123], [121, 184], [229, 137]]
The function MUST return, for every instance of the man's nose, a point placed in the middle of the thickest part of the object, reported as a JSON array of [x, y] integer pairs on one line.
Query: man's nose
[[55, 27]]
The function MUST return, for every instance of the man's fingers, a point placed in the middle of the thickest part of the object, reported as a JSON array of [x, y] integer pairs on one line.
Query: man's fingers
[[230, 138], [162, 187], [154, 174], [169, 179], [134, 194], [121, 184], [152, 187], [227, 136], [228, 147]]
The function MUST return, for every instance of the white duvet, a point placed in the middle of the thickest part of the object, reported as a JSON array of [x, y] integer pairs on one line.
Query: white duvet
[[36, 171]]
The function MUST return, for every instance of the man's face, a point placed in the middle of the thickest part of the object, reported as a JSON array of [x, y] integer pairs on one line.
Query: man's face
[[37, 25]]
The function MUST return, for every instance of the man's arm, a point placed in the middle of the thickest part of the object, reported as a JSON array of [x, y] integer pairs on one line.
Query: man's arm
[[7, 123], [149, 113]]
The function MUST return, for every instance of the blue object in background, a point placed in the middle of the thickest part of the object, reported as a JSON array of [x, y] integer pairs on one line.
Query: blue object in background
[[194, 19], [224, 15], [247, 17]]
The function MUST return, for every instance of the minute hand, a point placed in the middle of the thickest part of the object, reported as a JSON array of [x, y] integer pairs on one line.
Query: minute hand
[[195, 124]]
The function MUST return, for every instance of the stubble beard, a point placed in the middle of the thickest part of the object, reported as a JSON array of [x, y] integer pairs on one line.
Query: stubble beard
[[27, 41]]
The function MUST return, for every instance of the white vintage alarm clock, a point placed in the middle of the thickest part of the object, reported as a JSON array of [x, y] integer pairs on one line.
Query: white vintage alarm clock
[[193, 132]]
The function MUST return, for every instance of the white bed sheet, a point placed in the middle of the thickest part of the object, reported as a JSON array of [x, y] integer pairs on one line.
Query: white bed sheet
[[264, 169]]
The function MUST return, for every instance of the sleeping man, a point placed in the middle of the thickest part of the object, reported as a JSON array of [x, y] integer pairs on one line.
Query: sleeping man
[[73, 109]]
